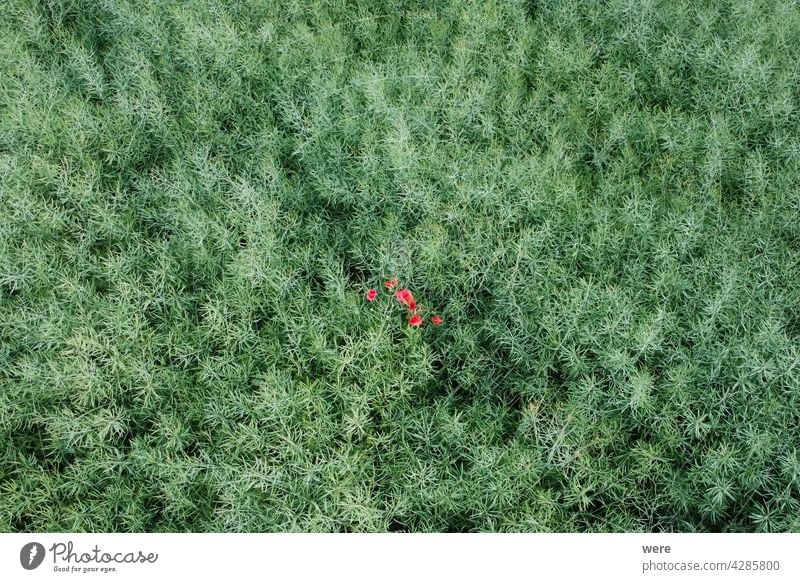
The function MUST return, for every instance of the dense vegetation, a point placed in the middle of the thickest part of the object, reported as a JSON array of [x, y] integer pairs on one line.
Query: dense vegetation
[[601, 199]]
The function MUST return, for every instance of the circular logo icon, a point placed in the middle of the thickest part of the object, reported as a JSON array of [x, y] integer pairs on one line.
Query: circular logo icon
[[31, 555]]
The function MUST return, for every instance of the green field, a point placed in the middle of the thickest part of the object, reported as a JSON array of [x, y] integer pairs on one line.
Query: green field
[[600, 198]]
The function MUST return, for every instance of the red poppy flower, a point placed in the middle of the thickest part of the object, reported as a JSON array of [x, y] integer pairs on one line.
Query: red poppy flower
[[412, 306], [372, 294], [436, 320], [405, 297], [415, 321], [390, 284]]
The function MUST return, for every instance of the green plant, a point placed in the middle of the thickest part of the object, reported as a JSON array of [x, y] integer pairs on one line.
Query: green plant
[[601, 196]]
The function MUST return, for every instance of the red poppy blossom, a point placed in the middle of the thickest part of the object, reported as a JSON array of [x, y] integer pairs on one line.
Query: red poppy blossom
[[436, 320], [372, 294], [390, 284], [415, 321], [405, 297]]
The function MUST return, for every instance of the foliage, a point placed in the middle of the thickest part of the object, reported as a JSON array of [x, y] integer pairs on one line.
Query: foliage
[[600, 198]]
